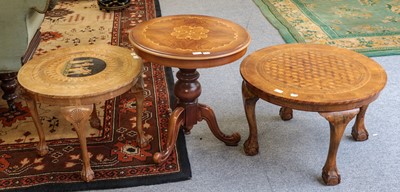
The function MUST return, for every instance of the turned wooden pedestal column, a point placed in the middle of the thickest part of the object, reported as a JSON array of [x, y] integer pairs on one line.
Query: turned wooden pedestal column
[[189, 42], [75, 78], [337, 83]]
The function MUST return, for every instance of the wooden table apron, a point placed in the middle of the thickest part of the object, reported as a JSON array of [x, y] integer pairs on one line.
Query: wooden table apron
[[337, 83], [76, 78], [189, 42]]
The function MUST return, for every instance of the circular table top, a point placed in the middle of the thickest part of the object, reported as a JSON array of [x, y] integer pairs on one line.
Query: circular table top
[[198, 39], [85, 73], [313, 77]]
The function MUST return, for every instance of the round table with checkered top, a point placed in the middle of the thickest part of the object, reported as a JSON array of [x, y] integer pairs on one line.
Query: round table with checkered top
[[337, 83]]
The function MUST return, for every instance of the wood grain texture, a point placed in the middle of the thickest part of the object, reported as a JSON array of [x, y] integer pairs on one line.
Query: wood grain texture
[[76, 78], [9, 87], [249, 102], [77, 116], [313, 77], [45, 75], [337, 123], [190, 42], [203, 40], [337, 83]]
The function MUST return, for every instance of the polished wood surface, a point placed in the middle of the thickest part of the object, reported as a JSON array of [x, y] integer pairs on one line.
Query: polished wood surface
[[189, 42], [76, 78], [313, 78], [52, 77], [9, 85], [337, 83]]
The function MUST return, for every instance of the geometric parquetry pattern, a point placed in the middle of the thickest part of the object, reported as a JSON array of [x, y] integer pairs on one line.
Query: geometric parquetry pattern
[[313, 70]]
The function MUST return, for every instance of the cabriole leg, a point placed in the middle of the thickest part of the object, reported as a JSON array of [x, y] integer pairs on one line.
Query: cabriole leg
[[42, 147], [359, 132], [337, 122], [142, 139], [78, 116], [249, 102]]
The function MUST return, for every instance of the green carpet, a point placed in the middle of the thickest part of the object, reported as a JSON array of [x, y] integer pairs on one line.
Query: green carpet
[[370, 27]]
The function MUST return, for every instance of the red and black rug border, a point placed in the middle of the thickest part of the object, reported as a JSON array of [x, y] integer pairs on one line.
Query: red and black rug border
[[184, 174]]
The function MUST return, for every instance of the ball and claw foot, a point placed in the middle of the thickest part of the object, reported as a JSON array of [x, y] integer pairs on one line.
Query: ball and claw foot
[[286, 114], [250, 148], [87, 174], [157, 158], [144, 141], [359, 136], [42, 150], [330, 177], [232, 140], [95, 123]]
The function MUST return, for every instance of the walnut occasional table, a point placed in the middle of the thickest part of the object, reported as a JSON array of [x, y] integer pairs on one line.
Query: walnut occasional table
[[337, 83], [189, 42], [76, 78]]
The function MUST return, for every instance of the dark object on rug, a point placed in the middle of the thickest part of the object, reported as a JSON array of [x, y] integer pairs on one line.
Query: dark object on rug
[[52, 4], [113, 5]]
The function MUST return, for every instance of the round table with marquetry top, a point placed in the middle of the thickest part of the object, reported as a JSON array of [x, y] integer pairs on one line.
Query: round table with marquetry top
[[189, 42], [335, 82], [75, 78]]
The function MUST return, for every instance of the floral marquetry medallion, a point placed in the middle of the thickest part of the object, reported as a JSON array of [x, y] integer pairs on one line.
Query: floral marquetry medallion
[[188, 32], [189, 42], [190, 36]]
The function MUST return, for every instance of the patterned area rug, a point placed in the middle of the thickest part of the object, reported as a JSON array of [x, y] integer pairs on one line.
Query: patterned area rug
[[370, 27], [115, 157]]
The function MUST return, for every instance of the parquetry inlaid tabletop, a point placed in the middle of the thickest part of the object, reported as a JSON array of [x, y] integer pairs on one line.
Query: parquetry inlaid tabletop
[[190, 37], [316, 77], [337, 83], [81, 72]]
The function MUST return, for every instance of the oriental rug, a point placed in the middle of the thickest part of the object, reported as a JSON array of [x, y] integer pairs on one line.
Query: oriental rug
[[114, 155], [370, 27]]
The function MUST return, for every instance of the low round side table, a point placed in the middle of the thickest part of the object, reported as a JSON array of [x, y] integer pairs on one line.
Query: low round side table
[[337, 83], [75, 78], [189, 42]]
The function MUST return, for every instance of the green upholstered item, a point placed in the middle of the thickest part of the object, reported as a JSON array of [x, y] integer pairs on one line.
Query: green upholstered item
[[19, 21]]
